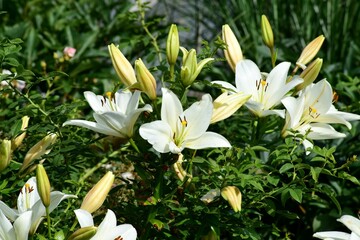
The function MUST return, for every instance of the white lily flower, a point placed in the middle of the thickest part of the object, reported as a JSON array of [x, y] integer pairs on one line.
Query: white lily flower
[[266, 91], [29, 200], [107, 230], [312, 112], [180, 129], [18, 231], [115, 115], [350, 222]]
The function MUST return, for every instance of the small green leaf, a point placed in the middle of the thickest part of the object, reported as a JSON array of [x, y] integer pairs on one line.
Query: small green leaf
[[296, 194], [286, 167]]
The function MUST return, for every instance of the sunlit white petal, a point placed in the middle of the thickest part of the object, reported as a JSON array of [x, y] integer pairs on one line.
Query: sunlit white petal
[[84, 218]]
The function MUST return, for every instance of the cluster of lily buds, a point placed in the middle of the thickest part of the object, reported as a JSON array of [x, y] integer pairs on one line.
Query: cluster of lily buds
[[143, 80], [190, 68]]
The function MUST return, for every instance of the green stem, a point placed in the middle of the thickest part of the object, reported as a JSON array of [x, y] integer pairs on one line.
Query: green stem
[[48, 221], [273, 57], [143, 24], [172, 67], [133, 144]]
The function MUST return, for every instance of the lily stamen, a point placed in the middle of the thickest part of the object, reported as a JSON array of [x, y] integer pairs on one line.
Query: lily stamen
[[313, 112]]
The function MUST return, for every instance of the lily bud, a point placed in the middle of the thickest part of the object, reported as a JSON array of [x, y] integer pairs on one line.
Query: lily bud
[[190, 69], [145, 79], [5, 154], [310, 73], [310, 51], [227, 104], [43, 185], [96, 196], [122, 66], [233, 53], [210, 236], [233, 195], [172, 45], [39, 149], [266, 32], [18, 140], [84, 233]]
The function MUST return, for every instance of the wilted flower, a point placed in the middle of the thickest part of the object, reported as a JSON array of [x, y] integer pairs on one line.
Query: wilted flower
[[266, 91], [190, 69], [29, 200], [107, 230], [210, 196], [16, 142], [38, 150], [350, 222], [312, 112], [180, 129], [232, 52], [18, 84], [233, 195], [115, 115], [97, 195]]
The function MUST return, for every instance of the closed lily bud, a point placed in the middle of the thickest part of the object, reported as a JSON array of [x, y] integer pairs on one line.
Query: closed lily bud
[[233, 53], [210, 236], [122, 66], [16, 142], [227, 104], [266, 32], [310, 73], [233, 195], [145, 79], [38, 150], [96, 196], [5, 154], [190, 69], [43, 185], [310, 51], [172, 45], [84, 233]]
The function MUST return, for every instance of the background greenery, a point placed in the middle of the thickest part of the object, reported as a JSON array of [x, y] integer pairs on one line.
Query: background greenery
[[291, 197]]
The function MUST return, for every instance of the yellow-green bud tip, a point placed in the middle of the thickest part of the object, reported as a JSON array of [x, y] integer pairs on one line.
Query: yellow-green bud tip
[[43, 185], [310, 51], [84, 233], [266, 32], [233, 195], [172, 45]]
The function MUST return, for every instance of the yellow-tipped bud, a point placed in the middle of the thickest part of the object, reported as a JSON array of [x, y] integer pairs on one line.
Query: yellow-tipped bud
[[84, 233], [172, 45], [38, 150], [190, 69], [310, 51], [210, 236], [310, 73], [122, 66], [18, 140], [233, 195], [233, 53], [96, 196], [43, 185], [227, 104], [145, 79], [266, 32], [5, 154]]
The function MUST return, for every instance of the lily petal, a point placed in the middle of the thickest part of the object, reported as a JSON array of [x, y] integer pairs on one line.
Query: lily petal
[[321, 131], [158, 134], [207, 140], [126, 231], [171, 108], [351, 223], [84, 218], [26, 201], [9, 212], [332, 235], [319, 96], [6, 229], [228, 87], [246, 75], [22, 225]]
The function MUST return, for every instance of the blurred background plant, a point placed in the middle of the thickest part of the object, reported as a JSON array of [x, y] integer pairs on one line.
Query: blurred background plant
[[286, 195]]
